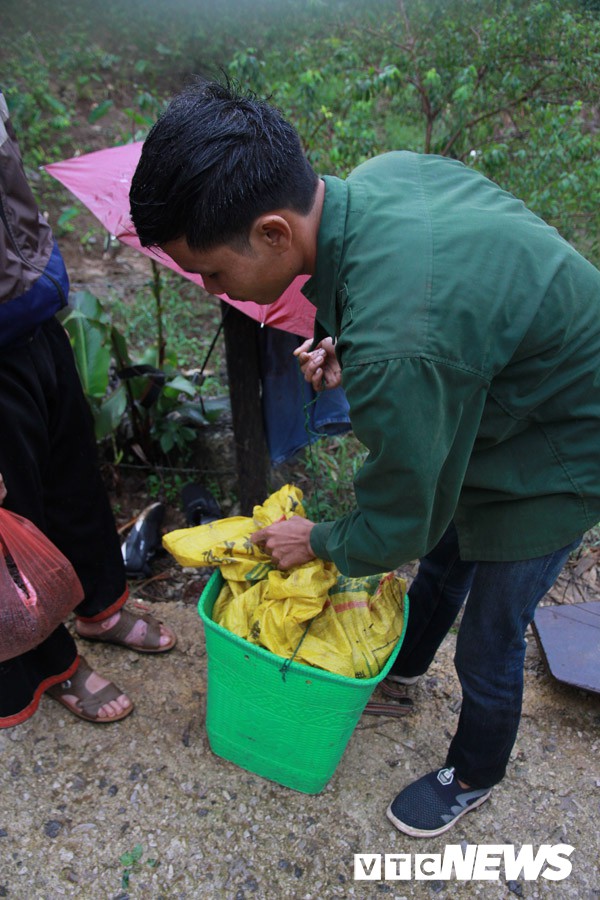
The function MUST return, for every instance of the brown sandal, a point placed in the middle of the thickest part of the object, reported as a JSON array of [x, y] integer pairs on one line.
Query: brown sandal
[[87, 704], [398, 709], [119, 632]]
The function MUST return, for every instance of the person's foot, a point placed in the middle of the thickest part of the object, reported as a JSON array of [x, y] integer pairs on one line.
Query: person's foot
[[91, 697], [129, 629], [433, 803], [403, 679]]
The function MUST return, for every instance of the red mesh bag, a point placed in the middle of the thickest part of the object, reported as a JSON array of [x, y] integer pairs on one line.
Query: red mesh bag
[[38, 586]]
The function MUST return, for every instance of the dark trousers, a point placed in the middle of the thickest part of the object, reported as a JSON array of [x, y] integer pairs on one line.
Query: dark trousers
[[49, 463], [490, 647]]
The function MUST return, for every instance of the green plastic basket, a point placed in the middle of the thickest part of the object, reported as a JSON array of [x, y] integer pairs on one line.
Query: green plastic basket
[[292, 729]]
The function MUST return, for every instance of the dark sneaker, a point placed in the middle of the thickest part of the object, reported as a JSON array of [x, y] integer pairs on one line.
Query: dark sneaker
[[433, 804]]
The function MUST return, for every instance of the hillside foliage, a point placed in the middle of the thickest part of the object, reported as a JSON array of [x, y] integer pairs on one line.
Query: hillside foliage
[[510, 88]]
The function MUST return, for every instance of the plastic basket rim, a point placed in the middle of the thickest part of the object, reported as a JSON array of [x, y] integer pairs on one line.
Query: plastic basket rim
[[294, 667]]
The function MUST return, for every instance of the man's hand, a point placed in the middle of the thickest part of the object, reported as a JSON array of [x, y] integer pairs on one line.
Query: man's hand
[[2, 490], [319, 366], [287, 542]]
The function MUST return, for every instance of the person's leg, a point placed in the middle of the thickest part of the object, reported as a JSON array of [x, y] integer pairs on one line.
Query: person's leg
[[435, 596], [28, 388], [24, 678], [78, 516], [49, 464], [490, 655], [76, 509], [55, 667], [489, 660]]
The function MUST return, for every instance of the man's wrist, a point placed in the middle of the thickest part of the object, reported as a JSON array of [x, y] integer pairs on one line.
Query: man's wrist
[[318, 539]]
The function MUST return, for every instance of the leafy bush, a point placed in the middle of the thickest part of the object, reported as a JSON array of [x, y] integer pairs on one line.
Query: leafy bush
[[146, 404]]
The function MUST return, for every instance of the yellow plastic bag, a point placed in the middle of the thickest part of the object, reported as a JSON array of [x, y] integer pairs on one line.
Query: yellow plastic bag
[[310, 613]]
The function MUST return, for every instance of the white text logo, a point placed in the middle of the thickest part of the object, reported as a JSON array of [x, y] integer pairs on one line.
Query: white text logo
[[474, 862]]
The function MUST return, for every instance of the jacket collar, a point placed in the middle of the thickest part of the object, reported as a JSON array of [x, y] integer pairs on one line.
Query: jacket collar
[[321, 289]]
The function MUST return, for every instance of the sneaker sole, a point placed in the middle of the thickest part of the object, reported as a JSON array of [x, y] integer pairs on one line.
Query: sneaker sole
[[420, 832]]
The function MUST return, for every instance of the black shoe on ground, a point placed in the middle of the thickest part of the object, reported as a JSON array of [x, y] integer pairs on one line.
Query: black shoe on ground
[[433, 803], [143, 541], [199, 505]]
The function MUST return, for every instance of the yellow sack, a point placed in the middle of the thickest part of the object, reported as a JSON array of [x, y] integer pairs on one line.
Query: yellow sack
[[274, 612], [226, 543], [359, 627], [310, 613]]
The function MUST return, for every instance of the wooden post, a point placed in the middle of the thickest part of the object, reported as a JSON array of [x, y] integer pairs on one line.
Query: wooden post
[[241, 352]]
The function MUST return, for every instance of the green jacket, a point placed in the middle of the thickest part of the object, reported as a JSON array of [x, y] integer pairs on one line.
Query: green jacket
[[468, 332]]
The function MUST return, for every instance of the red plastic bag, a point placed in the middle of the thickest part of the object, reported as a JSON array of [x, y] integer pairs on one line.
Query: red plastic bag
[[38, 586]]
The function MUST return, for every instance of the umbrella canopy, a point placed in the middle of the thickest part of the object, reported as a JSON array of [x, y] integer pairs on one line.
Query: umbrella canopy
[[101, 181]]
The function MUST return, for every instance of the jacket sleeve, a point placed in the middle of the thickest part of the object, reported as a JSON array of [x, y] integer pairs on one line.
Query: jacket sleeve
[[419, 420]]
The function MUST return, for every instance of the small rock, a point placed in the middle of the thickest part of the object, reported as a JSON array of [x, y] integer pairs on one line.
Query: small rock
[[515, 888], [3, 832], [70, 875], [52, 828], [112, 790]]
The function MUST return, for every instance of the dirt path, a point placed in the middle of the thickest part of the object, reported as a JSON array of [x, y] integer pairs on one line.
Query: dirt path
[[77, 798]]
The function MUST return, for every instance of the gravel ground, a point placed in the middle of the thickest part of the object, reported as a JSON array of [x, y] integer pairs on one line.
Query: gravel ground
[[80, 802]]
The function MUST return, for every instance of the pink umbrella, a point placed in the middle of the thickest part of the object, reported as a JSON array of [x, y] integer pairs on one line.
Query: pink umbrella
[[101, 181]]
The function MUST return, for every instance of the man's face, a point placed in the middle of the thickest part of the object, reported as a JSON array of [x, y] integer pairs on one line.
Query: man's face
[[259, 273]]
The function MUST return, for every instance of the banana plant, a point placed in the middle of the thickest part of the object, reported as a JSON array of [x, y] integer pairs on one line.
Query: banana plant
[[145, 402]]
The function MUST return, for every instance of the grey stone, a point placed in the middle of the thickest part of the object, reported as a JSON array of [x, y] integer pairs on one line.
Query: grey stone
[[52, 828]]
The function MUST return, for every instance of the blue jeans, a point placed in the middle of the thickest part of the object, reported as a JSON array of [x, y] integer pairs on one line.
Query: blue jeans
[[490, 648]]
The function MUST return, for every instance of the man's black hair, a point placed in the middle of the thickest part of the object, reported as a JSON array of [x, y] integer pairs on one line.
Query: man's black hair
[[213, 162]]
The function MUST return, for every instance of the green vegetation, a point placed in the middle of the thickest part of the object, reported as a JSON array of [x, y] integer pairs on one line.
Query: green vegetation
[[132, 864], [330, 465], [146, 405], [510, 88]]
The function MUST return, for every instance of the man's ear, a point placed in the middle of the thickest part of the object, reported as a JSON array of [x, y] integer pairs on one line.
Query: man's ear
[[273, 231]]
